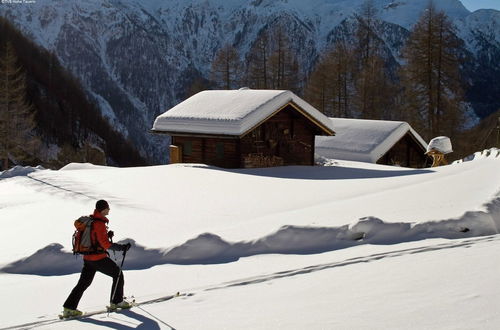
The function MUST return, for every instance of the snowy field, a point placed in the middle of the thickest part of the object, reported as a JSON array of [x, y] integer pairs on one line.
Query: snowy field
[[346, 246]]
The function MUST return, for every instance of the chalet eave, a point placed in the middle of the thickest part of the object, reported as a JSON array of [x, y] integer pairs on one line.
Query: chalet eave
[[202, 135]]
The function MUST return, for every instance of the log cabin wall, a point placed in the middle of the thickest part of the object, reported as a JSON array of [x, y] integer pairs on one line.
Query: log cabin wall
[[406, 152], [221, 152], [191, 148], [287, 138]]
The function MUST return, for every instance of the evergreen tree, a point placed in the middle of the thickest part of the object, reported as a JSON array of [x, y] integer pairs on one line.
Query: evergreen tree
[[431, 78], [64, 114], [17, 123]]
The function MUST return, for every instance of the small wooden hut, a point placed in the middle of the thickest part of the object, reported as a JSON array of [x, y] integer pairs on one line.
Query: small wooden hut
[[243, 128], [374, 141]]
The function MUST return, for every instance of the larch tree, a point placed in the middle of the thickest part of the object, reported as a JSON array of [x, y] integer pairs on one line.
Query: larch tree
[[330, 85], [431, 76], [374, 89], [283, 67], [226, 68], [272, 63], [257, 75]]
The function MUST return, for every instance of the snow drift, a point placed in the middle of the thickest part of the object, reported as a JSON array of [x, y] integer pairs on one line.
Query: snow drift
[[209, 248], [324, 191], [19, 171]]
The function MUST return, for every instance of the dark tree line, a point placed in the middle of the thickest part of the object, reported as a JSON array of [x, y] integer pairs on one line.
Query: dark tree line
[[17, 121], [61, 112]]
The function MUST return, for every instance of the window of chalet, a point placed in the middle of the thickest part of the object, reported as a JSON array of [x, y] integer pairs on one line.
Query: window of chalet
[[219, 150], [187, 148]]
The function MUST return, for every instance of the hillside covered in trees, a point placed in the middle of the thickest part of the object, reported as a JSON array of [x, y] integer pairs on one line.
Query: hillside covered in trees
[[359, 77], [45, 116]]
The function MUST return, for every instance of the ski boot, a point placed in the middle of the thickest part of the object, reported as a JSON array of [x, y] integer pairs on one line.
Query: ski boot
[[121, 305], [68, 313]]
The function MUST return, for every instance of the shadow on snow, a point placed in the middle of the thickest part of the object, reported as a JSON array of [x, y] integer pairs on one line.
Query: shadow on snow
[[317, 172], [211, 249]]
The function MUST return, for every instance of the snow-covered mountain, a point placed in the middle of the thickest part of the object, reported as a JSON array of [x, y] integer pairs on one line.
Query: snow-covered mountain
[[136, 57]]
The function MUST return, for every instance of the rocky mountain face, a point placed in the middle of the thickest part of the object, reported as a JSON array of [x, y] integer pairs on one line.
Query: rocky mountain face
[[137, 57]]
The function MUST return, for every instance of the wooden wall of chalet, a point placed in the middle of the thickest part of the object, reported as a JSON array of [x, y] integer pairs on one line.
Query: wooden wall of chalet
[[286, 138], [406, 152], [217, 151]]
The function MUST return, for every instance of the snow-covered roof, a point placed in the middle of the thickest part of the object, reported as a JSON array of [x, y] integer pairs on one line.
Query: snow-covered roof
[[233, 112], [363, 140], [440, 143]]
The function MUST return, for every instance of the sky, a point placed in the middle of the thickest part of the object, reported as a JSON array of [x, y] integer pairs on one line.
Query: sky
[[473, 5]]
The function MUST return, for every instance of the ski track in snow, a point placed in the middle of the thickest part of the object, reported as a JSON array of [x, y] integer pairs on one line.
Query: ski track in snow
[[76, 189], [352, 261], [149, 323], [52, 188]]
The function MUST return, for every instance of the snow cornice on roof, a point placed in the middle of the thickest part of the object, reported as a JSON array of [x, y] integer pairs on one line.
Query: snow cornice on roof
[[233, 112]]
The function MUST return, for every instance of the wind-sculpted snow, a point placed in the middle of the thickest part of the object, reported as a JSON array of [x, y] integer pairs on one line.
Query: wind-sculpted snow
[[487, 153], [211, 249], [19, 171]]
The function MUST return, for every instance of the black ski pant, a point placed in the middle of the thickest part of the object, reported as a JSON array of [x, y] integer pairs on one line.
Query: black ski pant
[[105, 266]]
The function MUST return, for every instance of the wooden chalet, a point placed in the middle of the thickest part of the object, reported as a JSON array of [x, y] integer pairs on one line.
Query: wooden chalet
[[243, 128], [374, 141]]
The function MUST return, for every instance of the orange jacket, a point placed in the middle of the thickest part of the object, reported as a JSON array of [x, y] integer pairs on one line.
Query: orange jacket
[[100, 234]]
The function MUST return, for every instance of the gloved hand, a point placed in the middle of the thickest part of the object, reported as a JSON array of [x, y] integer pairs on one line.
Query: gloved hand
[[111, 234], [126, 247]]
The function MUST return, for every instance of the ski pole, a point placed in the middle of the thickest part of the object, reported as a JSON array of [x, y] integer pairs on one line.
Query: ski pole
[[118, 278]]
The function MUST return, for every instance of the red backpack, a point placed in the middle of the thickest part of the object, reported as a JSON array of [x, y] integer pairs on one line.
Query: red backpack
[[84, 240]]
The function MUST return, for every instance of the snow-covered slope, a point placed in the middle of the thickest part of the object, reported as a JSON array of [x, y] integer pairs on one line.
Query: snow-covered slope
[[323, 245], [136, 58], [480, 28]]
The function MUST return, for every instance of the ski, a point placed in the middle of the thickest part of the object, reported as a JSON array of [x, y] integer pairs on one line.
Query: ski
[[60, 317], [132, 303], [89, 314]]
